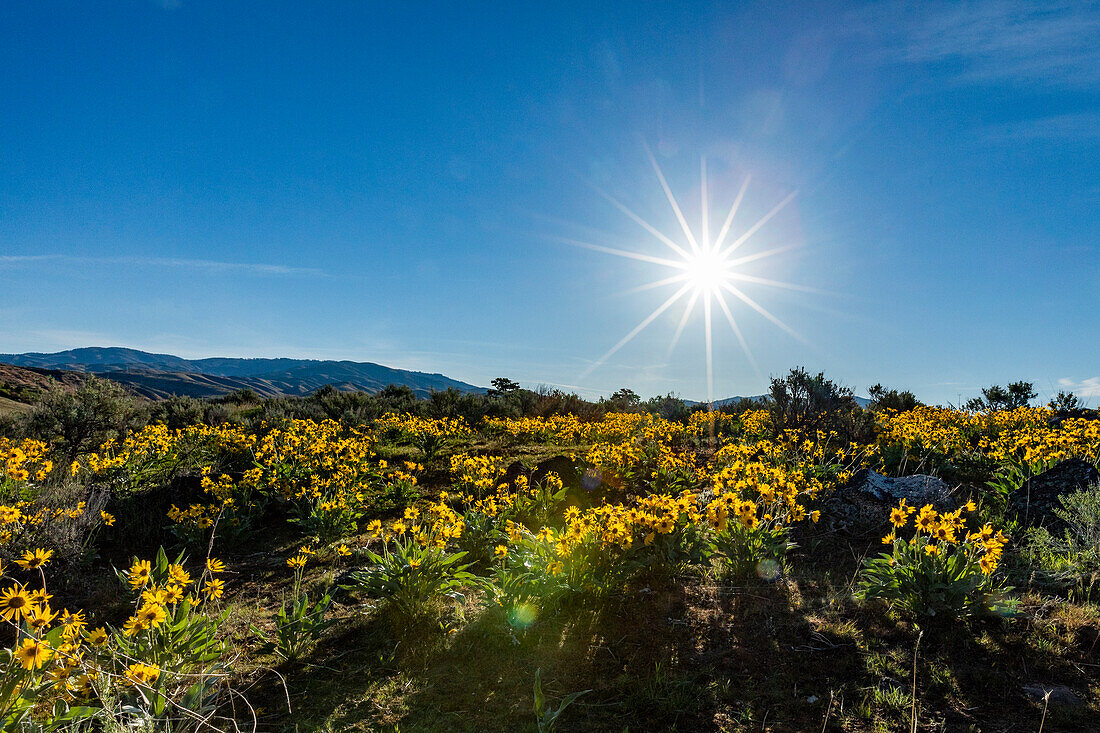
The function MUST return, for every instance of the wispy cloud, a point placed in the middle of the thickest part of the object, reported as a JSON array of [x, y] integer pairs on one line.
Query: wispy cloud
[[1086, 388], [999, 40], [208, 265]]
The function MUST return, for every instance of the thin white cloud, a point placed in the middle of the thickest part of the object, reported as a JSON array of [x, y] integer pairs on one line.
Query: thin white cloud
[[208, 265], [19, 259], [1085, 388], [999, 40]]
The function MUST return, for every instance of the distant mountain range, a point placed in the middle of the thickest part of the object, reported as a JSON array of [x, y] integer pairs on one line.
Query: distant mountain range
[[158, 376], [861, 401], [727, 400], [162, 375]]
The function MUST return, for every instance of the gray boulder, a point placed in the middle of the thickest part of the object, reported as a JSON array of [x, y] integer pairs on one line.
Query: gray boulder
[[1058, 694], [862, 507], [1038, 496], [563, 466]]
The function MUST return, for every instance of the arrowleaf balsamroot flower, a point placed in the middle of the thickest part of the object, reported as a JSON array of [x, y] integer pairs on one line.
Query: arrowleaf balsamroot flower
[[140, 574], [32, 560], [141, 674], [33, 653], [15, 604]]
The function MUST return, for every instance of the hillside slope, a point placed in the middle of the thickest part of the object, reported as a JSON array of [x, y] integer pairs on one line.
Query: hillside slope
[[162, 375]]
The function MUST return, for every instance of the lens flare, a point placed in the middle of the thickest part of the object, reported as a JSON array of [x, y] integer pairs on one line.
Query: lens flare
[[705, 271]]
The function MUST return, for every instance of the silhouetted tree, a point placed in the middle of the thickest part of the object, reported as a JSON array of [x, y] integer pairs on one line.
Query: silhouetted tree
[[810, 402], [1017, 394], [623, 400], [1065, 402], [892, 399], [669, 407], [503, 386]]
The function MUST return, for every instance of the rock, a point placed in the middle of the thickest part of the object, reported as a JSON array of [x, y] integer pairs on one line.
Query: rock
[[1059, 694], [563, 466], [513, 472], [1038, 497], [1061, 416], [143, 516], [1087, 638], [862, 507]]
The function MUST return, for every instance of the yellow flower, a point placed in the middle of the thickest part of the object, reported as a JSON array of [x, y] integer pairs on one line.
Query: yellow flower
[[33, 653], [926, 520], [108, 519], [97, 637], [151, 615], [141, 674], [500, 552], [81, 686], [140, 573], [215, 566], [898, 517], [40, 618], [15, 604], [297, 562], [36, 559], [153, 595], [179, 575], [214, 588], [343, 551], [889, 539], [132, 626]]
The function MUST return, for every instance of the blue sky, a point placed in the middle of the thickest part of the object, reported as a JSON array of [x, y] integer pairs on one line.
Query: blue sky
[[399, 183]]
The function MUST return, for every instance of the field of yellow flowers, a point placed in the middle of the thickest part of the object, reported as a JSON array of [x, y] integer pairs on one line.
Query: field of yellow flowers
[[539, 573]]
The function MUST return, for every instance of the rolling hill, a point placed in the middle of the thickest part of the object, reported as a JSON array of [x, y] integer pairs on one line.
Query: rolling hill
[[162, 375]]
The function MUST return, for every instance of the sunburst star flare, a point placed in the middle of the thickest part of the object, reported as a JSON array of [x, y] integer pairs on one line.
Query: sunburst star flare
[[704, 271]]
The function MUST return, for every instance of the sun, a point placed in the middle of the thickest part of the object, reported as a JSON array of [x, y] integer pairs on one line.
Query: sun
[[705, 271]]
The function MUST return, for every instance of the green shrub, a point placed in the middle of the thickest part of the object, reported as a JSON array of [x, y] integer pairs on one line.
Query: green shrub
[[1071, 561], [411, 576], [942, 570], [761, 549], [82, 420], [298, 624]]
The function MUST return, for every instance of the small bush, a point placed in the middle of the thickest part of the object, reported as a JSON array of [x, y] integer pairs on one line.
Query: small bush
[[299, 623], [80, 421], [942, 570], [411, 576], [1016, 394], [809, 403], [1072, 560]]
